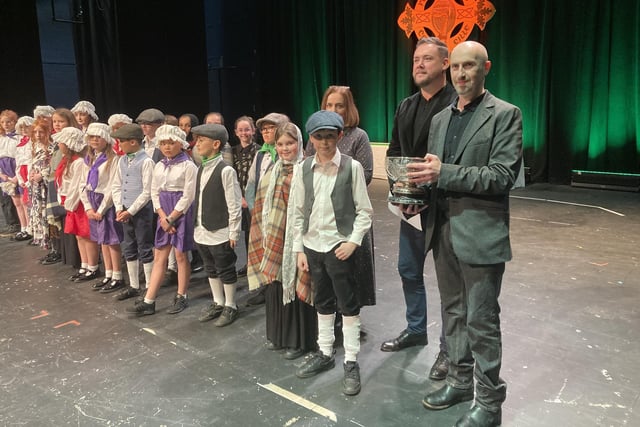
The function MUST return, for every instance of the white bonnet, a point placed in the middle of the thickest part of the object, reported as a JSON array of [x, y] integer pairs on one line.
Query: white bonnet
[[114, 119], [43, 110], [24, 121], [99, 129], [71, 137], [85, 107], [173, 133]]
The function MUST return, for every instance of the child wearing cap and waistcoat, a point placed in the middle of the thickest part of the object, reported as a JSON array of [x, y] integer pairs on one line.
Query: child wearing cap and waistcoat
[[218, 203], [332, 213], [97, 199], [172, 193], [150, 120], [131, 191]]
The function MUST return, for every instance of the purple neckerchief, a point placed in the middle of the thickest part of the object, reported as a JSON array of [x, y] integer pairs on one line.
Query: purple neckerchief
[[92, 177], [177, 159]]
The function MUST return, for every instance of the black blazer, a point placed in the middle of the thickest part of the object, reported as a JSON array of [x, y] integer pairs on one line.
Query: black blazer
[[403, 141]]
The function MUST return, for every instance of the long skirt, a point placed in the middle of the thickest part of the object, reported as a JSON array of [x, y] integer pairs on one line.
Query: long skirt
[[294, 325]]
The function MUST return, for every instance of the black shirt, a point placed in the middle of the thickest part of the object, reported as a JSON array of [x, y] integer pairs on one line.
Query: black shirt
[[457, 125]]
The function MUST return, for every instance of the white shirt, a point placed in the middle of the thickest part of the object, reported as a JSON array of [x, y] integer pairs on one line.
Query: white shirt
[[105, 179], [178, 177], [8, 146], [323, 235], [147, 177], [150, 146], [72, 183], [233, 196]]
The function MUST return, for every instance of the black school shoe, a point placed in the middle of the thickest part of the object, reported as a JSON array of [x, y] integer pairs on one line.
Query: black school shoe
[[52, 257], [315, 364], [99, 285], [88, 275], [127, 293], [112, 286]]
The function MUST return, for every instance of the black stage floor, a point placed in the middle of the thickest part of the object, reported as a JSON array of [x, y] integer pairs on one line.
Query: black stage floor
[[570, 317]]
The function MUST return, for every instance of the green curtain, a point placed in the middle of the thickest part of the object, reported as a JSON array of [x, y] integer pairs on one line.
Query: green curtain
[[573, 68]]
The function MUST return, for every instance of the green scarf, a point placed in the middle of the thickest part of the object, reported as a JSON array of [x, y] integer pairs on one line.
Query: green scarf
[[206, 160], [271, 149]]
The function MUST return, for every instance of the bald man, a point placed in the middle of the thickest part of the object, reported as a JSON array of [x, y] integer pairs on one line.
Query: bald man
[[475, 159]]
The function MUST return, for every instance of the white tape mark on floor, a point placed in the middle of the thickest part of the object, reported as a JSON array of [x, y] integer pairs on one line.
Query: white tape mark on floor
[[301, 401]]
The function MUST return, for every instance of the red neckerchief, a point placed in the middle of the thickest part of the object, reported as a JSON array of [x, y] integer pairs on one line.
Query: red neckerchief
[[23, 141], [62, 167]]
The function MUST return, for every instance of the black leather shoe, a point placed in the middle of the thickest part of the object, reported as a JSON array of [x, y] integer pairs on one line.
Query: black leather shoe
[[293, 353], [88, 275], [440, 367], [480, 417], [99, 285], [446, 397], [404, 340], [112, 286]]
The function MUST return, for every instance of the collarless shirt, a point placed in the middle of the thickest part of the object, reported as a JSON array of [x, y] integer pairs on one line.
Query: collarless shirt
[[457, 125]]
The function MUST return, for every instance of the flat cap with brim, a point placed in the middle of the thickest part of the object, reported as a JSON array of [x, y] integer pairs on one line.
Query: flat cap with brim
[[129, 131], [213, 131], [151, 115], [275, 118], [324, 119]]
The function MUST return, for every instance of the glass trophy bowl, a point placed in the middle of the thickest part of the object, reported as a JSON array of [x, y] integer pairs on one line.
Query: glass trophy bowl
[[405, 192]]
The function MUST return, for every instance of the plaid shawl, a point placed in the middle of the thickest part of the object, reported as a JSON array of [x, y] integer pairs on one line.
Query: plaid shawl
[[270, 242]]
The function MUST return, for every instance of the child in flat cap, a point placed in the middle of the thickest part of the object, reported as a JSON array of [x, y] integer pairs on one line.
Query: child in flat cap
[[172, 193], [98, 202], [332, 213], [131, 191], [218, 204]]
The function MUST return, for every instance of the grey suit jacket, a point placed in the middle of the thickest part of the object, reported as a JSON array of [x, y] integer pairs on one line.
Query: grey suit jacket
[[476, 186]]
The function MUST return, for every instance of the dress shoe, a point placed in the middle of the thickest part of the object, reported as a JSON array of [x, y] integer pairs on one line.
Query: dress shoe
[[293, 353], [112, 286], [88, 275], [480, 417], [446, 397], [404, 340], [271, 346], [99, 285], [440, 367], [127, 293]]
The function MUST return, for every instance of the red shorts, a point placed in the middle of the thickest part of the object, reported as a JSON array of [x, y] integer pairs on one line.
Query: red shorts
[[77, 222]]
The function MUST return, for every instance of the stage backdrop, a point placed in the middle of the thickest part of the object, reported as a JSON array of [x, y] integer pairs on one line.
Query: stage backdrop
[[573, 68]]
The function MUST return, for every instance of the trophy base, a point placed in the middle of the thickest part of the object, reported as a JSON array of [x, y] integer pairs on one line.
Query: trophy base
[[404, 200]]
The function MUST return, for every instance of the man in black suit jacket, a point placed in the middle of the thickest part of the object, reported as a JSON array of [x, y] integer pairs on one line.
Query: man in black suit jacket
[[409, 139], [475, 159]]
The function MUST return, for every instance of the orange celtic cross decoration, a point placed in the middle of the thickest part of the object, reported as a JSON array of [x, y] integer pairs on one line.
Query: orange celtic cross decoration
[[448, 20]]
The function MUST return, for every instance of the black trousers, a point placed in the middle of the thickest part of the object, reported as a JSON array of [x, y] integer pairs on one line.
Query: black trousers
[[335, 288], [9, 210], [469, 295]]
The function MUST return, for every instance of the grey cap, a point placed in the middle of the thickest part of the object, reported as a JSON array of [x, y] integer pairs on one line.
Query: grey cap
[[151, 115], [324, 119], [129, 131], [213, 131], [275, 118]]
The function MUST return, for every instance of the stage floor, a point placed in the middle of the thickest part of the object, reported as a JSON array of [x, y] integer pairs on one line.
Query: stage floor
[[570, 317]]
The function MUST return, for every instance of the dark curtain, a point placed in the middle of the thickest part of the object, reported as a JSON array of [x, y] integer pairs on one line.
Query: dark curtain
[[571, 66], [573, 69], [303, 47], [98, 56], [21, 79]]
